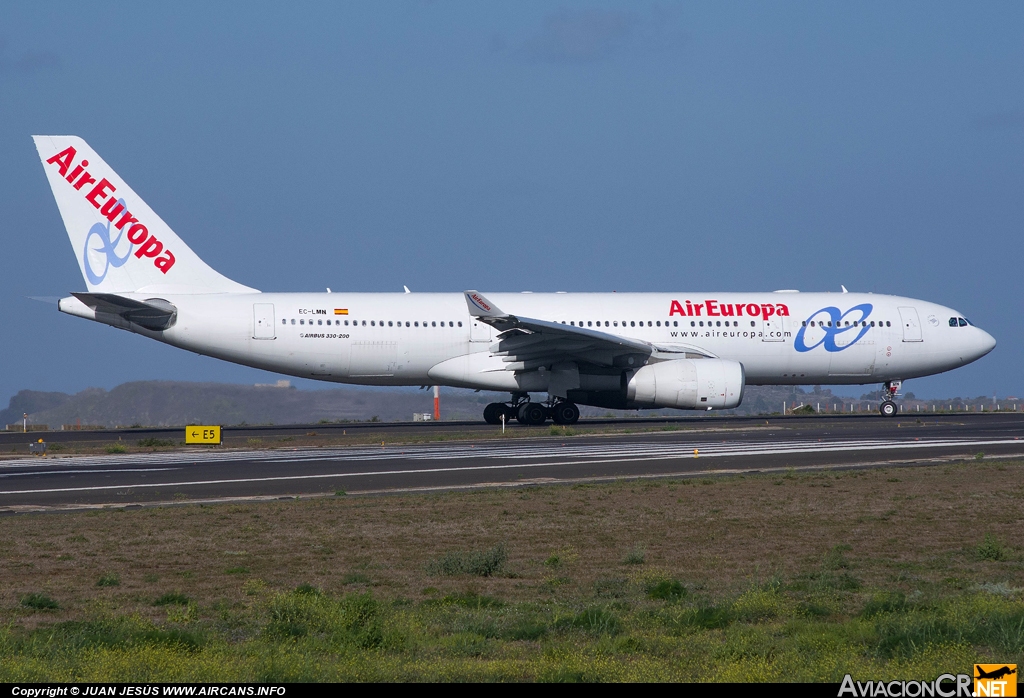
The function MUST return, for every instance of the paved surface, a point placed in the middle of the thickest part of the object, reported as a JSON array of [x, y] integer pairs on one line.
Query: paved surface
[[697, 448]]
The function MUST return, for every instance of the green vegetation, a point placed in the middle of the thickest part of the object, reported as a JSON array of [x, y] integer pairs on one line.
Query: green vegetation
[[761, 635], [991, 549], [157, 443], [109, 580], [40, 602], [482, 563], [117, 448], [826, 574], [636, 556], [172, 598]]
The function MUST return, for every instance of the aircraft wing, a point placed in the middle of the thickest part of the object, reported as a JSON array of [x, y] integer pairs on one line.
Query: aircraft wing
[[153, 314], [527, 343]]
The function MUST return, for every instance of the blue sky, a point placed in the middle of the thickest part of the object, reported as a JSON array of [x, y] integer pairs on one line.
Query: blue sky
[[526, 146]]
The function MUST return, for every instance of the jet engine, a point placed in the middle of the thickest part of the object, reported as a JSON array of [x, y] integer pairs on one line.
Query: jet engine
[[689, 384]]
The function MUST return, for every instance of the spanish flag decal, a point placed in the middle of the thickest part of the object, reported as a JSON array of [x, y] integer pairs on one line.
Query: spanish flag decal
[[341, 311]]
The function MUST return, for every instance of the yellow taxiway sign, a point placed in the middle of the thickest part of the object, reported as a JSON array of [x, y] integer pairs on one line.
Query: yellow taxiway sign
[[202, 434]]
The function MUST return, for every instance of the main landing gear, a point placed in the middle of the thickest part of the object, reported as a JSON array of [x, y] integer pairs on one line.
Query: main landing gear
[[888, 407], [531, 413]]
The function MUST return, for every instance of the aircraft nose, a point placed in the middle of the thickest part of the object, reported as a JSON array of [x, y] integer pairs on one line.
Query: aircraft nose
[[980, 344], [985, 342]]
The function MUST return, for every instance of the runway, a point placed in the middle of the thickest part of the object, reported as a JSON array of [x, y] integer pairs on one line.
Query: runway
[[28, 484]]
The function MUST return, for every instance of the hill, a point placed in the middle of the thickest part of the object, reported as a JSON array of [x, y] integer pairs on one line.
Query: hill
[[171, 403]]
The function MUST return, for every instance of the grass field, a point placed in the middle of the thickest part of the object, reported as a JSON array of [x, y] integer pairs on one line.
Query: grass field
[[899, 573]]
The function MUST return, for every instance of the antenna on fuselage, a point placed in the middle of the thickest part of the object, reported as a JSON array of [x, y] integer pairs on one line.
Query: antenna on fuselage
[[844, 288], [406, 289]]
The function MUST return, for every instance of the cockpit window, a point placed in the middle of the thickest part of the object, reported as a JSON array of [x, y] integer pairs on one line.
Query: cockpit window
[[963, 322], [952, 322]]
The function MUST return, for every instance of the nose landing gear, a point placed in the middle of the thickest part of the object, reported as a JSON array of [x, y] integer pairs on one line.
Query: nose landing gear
[[888, 407]]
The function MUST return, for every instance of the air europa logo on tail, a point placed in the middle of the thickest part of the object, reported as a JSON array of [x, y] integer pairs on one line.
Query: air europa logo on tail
[[111, 209], [712, 308]]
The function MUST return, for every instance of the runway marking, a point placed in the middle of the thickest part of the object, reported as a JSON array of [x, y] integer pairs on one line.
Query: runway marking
[[471, 468], [85, 472], [518, 452]]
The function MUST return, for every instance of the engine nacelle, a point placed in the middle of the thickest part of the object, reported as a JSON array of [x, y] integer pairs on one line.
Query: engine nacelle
[[689, 384]]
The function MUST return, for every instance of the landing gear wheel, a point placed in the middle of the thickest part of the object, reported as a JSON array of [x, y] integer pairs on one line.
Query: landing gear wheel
[[532, 413], [565, 413], [493, 412], [888, 408]]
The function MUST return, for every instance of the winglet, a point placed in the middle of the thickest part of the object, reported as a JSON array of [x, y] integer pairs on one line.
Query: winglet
[[479, 306]]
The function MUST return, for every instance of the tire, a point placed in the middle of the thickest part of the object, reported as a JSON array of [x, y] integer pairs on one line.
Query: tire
[[493, 412], [532, 414], [506, 410], [888, 409], [566, 413]]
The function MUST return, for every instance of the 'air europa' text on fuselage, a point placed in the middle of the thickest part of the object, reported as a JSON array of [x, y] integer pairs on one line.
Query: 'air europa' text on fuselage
[[712, 308]]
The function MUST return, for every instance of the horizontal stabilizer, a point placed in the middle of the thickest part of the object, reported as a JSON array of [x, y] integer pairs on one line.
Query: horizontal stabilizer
[[153, 314]]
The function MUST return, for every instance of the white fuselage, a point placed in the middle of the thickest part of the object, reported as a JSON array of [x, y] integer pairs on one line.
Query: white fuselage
[[431, 339]]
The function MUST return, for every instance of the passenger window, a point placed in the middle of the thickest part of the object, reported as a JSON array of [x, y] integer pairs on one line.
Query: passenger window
[[320, 322], [963, 322], [590, 323], [693, 323], [346, 323], [872, 323], [888, 324], [372, 323], [650, 324], [293, 321], [632, 323], [719, 323], [606, 323], [675, 323], [460, 323], [702, 323], [302, 322], [658, 323], [283, 321], [753, 324]]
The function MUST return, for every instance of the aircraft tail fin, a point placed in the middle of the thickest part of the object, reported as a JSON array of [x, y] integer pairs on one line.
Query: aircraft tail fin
[[121, 244]]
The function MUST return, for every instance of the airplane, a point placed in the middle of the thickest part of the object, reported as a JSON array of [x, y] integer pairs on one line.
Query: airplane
[[691, 351], [995, 673]]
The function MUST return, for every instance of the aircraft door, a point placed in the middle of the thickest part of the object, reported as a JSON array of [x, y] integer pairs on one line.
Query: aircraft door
[[772, 330], [263, 326], [911, 325], [479, 331]]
